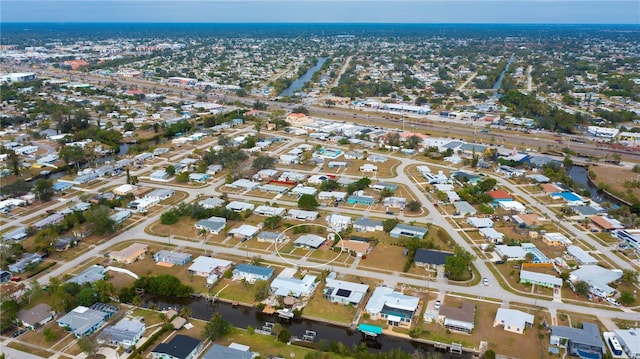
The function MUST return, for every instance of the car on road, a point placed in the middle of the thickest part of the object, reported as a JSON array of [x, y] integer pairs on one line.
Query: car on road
[[437, 305], [485, 281], [18, 333], [390, 212]]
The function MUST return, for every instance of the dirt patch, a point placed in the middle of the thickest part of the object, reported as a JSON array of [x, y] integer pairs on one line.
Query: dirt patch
[[616, 177]]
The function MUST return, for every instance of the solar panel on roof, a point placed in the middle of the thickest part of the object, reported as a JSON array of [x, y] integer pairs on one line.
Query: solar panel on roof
[[343, 293]]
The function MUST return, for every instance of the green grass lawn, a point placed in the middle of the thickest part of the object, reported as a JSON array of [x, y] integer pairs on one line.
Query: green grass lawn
[[319, 307], [28, 349], [268, 345], [234, 291]]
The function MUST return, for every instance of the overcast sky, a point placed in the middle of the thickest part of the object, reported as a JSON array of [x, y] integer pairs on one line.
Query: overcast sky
[[325, 11]]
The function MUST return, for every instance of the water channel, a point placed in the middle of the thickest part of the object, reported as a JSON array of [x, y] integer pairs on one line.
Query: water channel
[[242, 317], [498, 83], [306, 77]]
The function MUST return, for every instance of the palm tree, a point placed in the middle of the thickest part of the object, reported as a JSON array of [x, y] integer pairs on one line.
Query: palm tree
[[186, 312]]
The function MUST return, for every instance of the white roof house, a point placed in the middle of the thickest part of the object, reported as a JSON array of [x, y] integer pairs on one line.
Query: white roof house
[[303, 215], [464, 208], [309, 241], [344, 292], [541, 279], [285, 284], [244, 184], [300, 190], [629, 339], [480, 222], [513, 320], [269, 211], [238, 206], [213, 224], [513, 253], [338, 196], [245, 231], [338, 222], [492, 235], [555, 238], [211, 202], [367, 225], [205, 266], [581, 256], [391, 305], [598, 279], [367, 167], [511, 206]]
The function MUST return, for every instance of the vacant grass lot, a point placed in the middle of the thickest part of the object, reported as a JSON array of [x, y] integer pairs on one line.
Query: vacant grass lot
[[29, 349], [385, 170], [615, 177], [234, 291], [319, 307]]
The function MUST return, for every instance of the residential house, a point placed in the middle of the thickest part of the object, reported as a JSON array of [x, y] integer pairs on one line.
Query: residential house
[[458, 319], [171, 257], [272, 237], [598, 279], [272, 188], [286, 285], [310, 241], [5, 276], [130, 254], [199, 177], [583, 342], [83, 321], [142, 205], [90, 275], [244, 184], [159, 176], [367, 225], [491, 235], [338, 222], [214, 225], [606, 224], [299, 190], [210, 268], [55, 218], [395, 202], [120, 216], [500, 195], [218, 351], [252, 273], [354, 155], [303, 215], [464, 208], [513, 320], [540, 279], [480, 222], [160, 194], [628, 339], [332, 195], [212, 202], [244, 232], [238, 206], [581, 256], [361, 199], [339, 291], [555, 239], [16, 234], [428, 257], [368, 168], [406, 230], [35, 317], [396, 308], [269, 211], [354, 246], [214, 169], [126, 333], [25, 261], [179, 347]]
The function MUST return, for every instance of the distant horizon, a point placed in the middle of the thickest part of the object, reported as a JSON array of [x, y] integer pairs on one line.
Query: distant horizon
[[317, 23], [528, 12]]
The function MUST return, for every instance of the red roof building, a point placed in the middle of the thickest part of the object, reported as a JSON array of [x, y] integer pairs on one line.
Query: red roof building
[[76, 64], [500, 195]]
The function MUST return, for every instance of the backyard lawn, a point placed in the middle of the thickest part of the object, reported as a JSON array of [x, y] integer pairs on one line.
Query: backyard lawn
[[319, 307]]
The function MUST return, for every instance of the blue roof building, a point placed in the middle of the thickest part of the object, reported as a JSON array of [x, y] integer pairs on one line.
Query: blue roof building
[[252, 273], [366, 200]]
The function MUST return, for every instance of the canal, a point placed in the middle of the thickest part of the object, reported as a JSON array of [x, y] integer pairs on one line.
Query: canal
[[242, 317], [306, 77], [498, 83]]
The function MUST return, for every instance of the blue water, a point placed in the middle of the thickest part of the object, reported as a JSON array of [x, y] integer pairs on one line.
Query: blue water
[[306, 77]]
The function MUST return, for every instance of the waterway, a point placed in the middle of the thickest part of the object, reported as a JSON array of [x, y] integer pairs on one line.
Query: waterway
[[242, 317], [498, 83], [306, 77]]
